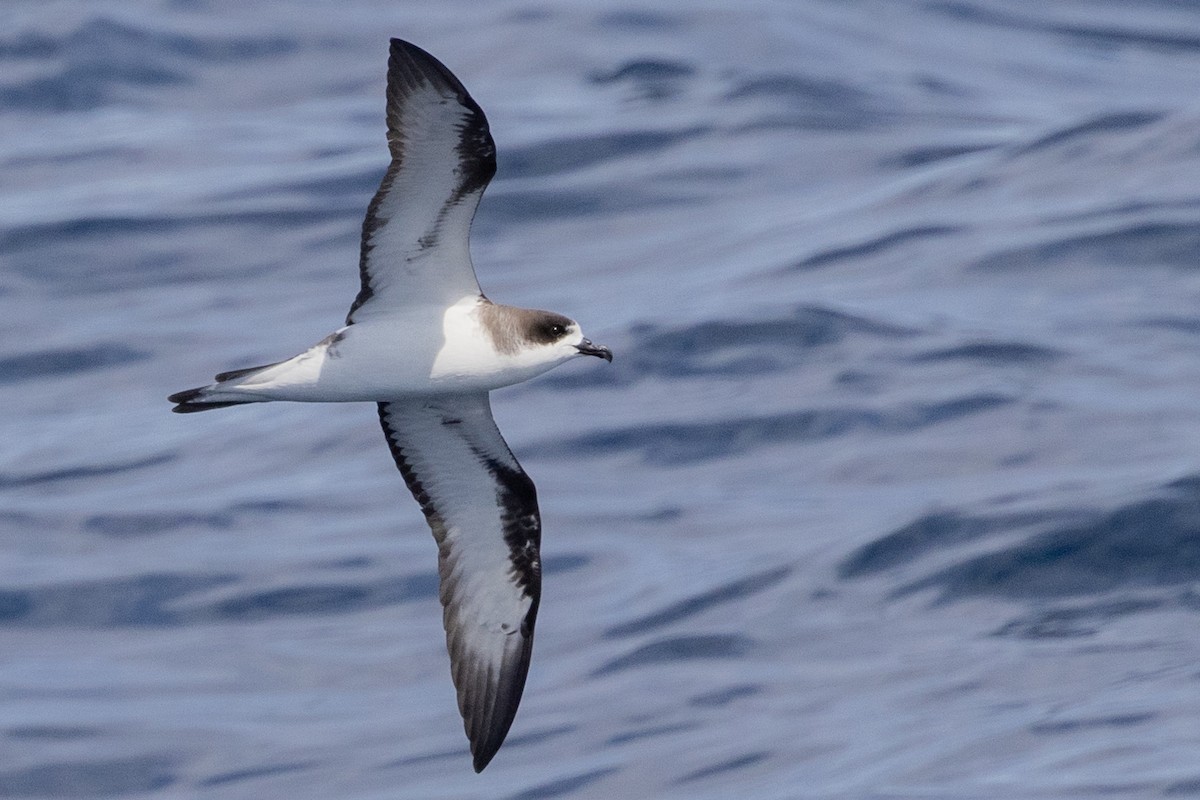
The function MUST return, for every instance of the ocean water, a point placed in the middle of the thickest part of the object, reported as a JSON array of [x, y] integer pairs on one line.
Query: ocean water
[[892, 490]]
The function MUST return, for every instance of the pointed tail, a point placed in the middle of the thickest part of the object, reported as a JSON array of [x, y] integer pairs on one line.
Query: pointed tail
[[206, 398]]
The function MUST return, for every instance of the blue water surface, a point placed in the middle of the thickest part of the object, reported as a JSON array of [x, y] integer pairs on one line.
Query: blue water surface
[[892, 490]]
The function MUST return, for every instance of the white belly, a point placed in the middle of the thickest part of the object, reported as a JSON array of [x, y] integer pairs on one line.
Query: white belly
[[426, 351]]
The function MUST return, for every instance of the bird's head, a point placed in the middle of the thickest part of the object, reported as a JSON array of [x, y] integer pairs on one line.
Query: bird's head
[[564, 336], [541, 338]]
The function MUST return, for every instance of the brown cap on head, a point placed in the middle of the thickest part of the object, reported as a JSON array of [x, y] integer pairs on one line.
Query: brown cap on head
[[511, 328]]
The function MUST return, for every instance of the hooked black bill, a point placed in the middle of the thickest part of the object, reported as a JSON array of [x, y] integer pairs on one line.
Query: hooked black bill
[[588, 349]]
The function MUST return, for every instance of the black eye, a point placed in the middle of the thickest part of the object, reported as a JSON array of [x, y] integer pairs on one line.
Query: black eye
[[558, 330]]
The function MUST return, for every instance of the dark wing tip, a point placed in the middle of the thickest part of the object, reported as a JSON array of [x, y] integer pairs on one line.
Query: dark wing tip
[[411, 69], [489, 702], [407, 63]]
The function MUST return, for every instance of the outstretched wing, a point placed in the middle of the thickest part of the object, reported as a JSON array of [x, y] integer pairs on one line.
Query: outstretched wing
[[414, 237], [483, 510]]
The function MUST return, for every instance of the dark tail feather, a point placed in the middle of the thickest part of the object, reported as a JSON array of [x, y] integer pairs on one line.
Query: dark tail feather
[[238, 373], [192, 400]]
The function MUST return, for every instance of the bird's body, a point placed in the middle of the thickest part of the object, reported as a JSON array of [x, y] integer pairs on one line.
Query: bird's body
[[423, 342], [423, 350]]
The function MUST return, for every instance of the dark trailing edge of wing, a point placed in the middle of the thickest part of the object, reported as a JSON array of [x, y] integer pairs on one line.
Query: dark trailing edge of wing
[[410, 69], [487, 726]]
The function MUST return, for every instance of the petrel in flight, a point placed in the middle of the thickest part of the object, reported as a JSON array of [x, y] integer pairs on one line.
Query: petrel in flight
[[423, 342]]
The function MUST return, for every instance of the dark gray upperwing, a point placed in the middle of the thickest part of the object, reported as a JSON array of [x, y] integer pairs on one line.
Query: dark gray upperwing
[[415, 234], [483, 511]]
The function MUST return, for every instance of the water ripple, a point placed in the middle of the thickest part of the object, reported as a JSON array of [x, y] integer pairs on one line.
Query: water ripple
[[70, 361], [683, 442], [728, 348], [699, 603], [90, 778], [671, 650], [17, 480]]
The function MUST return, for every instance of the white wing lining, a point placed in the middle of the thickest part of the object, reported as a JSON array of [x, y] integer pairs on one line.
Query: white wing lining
[[482, 508]]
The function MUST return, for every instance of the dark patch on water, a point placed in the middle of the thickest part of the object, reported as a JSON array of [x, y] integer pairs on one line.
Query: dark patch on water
[[937, 85], [652, 732], [1188, 786], [104, 57], [993, 353], [861, 381], [1075, 621], [342, 189], [123, 526], [1075, 725], [566, 562], [84, 86], [1150, 543], [67, 361], [646, 70], [103, 157], [727, 348], [680, 648], [682, 443], [277, 506], [14, 605], [1103, 36], [718, 698], [16, 480], [876, 245], [539, 205], [296, 600], [31, 236], [1131, 208], [732, 765], [932, 533], [28, 45], [1141, 244], [734, 590], [241, 775], [1188, 325], [965, 11], [102, 228], [324, 599], [537, 737], [104, 36], [923, 156], [650, 78], [55, 733], [425, 758], [1113, 37], [1107, 123], [638, 20], [139, 601], [128, 254], [565, 155], [350, 562], [564, 786], [153, 600], [90, 778], [797, 101], [807, 326]]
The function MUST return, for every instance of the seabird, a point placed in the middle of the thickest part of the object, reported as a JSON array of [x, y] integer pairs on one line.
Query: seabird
[[423, 342]]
